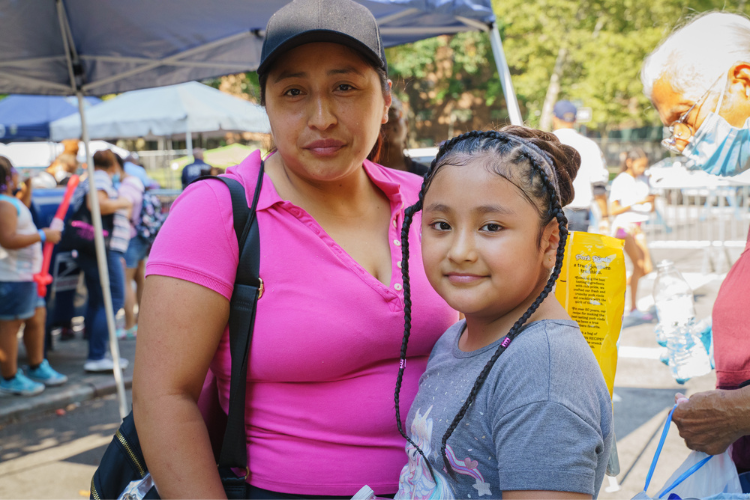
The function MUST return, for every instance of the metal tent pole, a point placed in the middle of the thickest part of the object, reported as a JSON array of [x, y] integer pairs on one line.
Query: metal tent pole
[[101, 259], [503, 71], [189, 141]]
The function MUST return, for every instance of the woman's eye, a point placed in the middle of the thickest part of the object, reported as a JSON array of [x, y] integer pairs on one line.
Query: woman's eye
[[491, 227], [344, 87], [293, 92], [441, 226]]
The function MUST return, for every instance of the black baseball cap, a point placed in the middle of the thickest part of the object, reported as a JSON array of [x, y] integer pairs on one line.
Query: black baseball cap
[[336, 21]]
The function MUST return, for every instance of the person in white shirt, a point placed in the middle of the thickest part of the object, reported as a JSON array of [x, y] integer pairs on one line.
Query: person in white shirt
[[591, 182], [631, 204]]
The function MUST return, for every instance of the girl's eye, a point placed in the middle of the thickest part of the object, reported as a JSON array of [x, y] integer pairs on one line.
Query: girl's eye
[[441, 226], [491, 227], [293, 92]]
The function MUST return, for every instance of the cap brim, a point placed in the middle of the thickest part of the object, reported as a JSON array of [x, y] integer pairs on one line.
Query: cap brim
[[314, 36]]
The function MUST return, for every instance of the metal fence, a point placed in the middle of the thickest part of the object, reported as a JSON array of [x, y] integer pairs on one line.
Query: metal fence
[[158, 165], [707, 213]]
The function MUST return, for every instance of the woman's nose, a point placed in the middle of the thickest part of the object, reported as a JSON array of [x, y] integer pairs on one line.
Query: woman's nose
[[322, 115]]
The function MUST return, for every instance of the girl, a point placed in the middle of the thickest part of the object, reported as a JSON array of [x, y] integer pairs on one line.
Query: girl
[[537, 421], [131, 188], [631, 205], [20, 259]]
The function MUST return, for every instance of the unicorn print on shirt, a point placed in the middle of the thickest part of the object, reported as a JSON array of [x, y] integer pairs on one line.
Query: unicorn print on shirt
[[415, 481]]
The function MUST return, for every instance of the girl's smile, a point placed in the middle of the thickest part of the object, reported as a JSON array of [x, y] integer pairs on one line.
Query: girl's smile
[[480, 241]]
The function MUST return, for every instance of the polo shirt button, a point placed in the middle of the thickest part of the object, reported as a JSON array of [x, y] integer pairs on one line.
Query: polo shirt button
[[394, 223], [397, 243], [398, 286], [398, 264]]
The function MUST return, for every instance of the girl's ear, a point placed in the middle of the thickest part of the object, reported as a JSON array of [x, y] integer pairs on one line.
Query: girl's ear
[[550, 243]]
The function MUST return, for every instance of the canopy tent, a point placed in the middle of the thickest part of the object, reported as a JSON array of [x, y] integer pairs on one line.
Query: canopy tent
[[40, 154], [101, 47], [97, 47], [175, 109], [27, 117]]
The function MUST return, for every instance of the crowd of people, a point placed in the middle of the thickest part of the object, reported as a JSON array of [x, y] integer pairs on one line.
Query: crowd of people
[[437, 285], [121, 187]]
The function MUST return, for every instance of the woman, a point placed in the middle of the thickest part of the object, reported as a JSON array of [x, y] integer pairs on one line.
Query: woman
[[395, 133], [105, 165], [137, 248], [631, 205], [327, 335], [20, 259]]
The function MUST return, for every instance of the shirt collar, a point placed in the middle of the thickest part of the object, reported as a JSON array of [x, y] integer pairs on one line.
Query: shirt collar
[[269, 197]]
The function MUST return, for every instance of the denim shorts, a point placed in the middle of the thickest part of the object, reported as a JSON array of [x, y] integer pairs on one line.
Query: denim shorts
[[137, 251], [18, 300]]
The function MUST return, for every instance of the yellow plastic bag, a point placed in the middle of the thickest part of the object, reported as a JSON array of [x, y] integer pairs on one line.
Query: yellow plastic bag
[[591, 287]]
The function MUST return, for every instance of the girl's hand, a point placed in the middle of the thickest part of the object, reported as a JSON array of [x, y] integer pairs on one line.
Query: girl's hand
[[53, 235]]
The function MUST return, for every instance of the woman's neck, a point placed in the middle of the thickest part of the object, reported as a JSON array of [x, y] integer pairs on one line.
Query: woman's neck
[[349, 196]]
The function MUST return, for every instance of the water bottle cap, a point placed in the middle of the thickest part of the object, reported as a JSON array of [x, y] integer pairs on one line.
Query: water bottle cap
[[665, 264]]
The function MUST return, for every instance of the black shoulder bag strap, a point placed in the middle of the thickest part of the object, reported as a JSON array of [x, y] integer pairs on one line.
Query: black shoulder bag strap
[[248, 288]]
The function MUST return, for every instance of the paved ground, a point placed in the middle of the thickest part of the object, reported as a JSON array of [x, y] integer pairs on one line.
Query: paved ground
[[68, 358], [45, 455]]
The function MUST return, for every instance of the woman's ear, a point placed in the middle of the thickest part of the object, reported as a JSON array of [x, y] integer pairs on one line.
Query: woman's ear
[[550, 243]]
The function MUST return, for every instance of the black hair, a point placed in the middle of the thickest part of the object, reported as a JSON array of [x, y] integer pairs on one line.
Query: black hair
[[631, 154], [6, 174], [551, 187]]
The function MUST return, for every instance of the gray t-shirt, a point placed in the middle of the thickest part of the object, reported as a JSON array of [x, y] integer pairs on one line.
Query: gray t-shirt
[[541, 421]]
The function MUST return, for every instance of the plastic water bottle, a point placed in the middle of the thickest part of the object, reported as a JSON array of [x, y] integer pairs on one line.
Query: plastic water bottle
[[673, 298], [687, 357]]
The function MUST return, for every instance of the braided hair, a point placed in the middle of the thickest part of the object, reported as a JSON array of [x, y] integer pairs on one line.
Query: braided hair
[[547, 184]]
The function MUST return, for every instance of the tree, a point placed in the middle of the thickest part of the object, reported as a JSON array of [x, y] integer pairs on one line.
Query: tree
[[451, 83]]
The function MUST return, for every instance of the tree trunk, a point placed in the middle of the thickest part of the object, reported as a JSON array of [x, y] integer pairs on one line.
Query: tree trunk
[[553, 90]]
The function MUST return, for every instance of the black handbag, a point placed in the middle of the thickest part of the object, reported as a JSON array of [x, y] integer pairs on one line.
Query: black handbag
[[78, 233], [123, 460]]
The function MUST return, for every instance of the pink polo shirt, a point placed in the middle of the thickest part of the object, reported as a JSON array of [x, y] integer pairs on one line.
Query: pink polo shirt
[[320, 414]]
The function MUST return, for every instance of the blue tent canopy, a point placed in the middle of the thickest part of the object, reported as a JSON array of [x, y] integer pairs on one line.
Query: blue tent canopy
[[130, 44], [98, 47], [27, 117], [164, 111]]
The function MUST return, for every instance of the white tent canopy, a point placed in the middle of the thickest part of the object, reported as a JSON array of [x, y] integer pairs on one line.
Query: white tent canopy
[[175, 109]]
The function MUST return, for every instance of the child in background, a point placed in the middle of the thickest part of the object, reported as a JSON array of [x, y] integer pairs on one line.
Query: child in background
[[535, 422], [631, 203], [131, 188], [21, 258]]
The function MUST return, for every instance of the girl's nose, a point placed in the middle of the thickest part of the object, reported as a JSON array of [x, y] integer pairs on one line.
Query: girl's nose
[[463, 247]]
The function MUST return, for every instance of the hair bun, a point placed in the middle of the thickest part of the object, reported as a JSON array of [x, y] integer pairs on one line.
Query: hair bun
[[565, 159]]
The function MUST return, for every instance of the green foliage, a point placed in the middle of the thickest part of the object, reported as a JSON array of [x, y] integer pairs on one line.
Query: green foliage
[[606, 42]]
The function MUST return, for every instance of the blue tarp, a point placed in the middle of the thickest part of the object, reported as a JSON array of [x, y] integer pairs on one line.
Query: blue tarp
[[164, 111], [121, 45], [27, 117]]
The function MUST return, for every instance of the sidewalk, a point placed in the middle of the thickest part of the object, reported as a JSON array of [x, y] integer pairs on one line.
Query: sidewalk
[[67, 358]]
